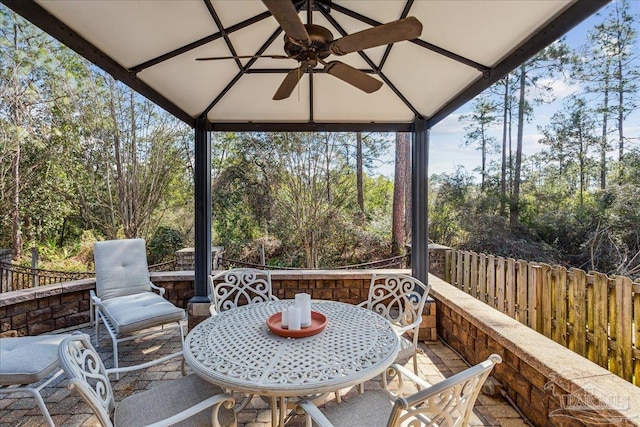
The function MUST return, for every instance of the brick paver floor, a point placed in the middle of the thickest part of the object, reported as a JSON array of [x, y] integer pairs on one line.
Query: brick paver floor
[[67, 409]]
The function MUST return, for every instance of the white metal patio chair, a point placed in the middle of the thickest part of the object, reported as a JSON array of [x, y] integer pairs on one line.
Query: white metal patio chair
[[448, 403], [400, 299], [188, 400], [29, 364], [237, 286], [124, 299]]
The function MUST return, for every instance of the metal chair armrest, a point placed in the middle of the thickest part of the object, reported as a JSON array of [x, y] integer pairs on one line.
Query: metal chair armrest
[[414, 325], [404, 372], [94, 298], [313, 413], [158, 288]]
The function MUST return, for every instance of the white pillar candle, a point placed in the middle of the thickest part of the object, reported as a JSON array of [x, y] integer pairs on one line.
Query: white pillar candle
[[294, 318], [303, 302], [284, 321]]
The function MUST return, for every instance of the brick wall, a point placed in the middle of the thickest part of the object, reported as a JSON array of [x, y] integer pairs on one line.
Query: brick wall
[[52, 307], [45, 309], [437, 255]]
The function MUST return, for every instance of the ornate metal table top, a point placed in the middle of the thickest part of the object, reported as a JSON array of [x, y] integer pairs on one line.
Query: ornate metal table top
[[236, 350]]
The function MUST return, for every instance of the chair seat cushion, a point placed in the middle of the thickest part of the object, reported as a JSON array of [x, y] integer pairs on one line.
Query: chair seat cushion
[[370, 409], [132, 313], [168, 399], [27, 360]]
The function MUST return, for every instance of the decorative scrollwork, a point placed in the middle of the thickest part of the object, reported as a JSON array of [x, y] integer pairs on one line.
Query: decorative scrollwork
[[240, 286], [81, 361], [399, 298], [445, 409]]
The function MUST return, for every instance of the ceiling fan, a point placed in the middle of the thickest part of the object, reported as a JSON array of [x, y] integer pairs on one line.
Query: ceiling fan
[[310, 44]]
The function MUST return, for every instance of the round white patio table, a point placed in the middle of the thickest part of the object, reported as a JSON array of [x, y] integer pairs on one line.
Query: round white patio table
[[236, 350]]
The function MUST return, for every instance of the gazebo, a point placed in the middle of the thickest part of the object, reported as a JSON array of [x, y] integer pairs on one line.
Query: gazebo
[[462, 47]]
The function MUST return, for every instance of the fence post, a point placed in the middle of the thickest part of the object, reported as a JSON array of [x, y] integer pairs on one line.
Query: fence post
[[483, 278], [34, 266], [448, 258], [510, 288], [500, 285], [600, 319], [547, 300], [577, 312], [624, 348], [535, 298], [491, 281], [560, 304], [523, 307]]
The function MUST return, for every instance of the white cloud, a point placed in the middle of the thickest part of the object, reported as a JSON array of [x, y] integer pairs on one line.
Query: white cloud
[[449, 126], [560, 88]]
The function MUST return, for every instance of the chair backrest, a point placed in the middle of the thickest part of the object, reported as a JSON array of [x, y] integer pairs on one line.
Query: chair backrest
[[399, 298], [239, 286], [448, 403], [121, 268], [86, 373]]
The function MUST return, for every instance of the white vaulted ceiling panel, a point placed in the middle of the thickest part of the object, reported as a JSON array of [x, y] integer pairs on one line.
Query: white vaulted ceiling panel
[[153, 46]]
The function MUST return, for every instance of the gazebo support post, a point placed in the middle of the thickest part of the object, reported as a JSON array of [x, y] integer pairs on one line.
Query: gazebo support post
[[198, 306], [420, 198]]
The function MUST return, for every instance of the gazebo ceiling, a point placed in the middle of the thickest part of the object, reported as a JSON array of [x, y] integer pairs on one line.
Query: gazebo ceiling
[[152, 46]]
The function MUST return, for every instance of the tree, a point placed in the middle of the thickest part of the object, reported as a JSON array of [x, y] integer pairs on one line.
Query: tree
[[570, 135], [359, 171], [545, 63], [399, 193], [134, 155], [504, 90], [479, 123], [38, 79], [617, 35], [610, 70]]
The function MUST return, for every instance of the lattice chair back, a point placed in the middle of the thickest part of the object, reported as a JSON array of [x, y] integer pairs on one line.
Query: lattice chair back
[[239, 286], [86, 373], [399, 298], [448, 403]]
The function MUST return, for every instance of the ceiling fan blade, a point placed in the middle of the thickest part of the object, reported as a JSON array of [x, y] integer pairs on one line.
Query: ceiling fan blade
[[287, 16], [396, 31], [217, 58], [353, 76], [291, 80]]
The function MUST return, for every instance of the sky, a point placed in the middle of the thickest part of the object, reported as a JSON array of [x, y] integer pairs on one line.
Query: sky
[[446, 141]]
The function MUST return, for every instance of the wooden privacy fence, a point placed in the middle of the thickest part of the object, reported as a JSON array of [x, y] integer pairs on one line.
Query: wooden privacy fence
[[592, 314]]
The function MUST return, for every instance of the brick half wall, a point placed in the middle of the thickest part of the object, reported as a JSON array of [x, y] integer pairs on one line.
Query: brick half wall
[[60, 306], [552, 385]]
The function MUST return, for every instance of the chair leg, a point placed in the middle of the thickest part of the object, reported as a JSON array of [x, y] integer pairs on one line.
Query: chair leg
[[415, 367], [97, 317], [43, 407], [115, 356], [35, 392]]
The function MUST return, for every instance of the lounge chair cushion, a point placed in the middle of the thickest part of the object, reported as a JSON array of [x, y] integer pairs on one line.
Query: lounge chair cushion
[[121, 268], [370, 409], [27, 360], [131, 313], [169, 399]]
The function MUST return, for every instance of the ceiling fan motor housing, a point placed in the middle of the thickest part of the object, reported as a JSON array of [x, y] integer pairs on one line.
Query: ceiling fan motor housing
[[320, 37]]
